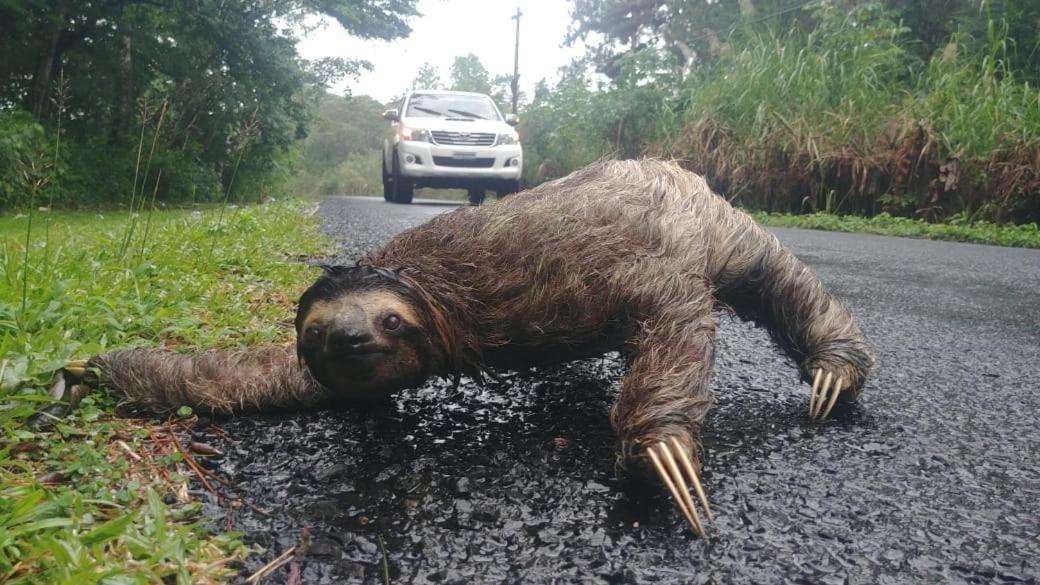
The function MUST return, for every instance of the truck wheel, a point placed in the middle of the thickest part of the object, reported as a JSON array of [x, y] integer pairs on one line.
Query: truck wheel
[[388, 185], [402, 189], [475, 196], [507, 188]]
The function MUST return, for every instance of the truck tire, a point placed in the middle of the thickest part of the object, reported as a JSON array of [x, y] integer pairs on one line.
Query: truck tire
[[402, 189], [507, 188], [388, 185]]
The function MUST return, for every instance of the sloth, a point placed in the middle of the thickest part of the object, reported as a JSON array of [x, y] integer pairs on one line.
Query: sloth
[[629, 256]]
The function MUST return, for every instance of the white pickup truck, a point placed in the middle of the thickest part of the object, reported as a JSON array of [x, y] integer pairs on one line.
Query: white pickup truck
[[450, 139]]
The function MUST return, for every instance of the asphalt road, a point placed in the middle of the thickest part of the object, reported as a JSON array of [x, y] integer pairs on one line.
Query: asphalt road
[[934, 477]]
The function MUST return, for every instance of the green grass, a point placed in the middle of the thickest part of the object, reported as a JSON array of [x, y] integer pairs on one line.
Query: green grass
[[845, 115], [75, 505], [1020, 236]]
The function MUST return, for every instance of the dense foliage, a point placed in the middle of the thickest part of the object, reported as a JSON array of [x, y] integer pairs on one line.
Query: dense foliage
[[341, 155], [102, 499], [98, 98], [852, 106]]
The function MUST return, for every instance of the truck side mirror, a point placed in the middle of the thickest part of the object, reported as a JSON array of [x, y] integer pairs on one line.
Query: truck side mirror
[[512, 119], [392, 115]]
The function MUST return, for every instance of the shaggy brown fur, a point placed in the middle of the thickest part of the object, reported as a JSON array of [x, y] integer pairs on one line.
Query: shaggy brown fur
[[620, 255]]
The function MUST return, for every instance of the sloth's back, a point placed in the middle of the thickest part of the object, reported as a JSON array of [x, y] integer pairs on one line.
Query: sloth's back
[[571, 260], [610, 213]]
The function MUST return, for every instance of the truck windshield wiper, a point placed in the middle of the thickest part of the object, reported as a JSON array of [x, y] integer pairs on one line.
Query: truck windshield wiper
[[429, 111], [467, 114]]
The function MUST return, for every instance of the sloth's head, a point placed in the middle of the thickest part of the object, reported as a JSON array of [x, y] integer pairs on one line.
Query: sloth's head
[[363, 333]]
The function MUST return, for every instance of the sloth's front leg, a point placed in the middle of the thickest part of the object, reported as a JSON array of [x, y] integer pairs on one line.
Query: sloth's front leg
[[262, 379], [664, 398], [837, 370]]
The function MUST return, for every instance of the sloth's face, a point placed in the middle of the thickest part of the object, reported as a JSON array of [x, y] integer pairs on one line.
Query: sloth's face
[[361, 343]]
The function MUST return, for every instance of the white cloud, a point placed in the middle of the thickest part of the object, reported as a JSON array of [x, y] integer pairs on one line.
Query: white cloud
[[446, 29]]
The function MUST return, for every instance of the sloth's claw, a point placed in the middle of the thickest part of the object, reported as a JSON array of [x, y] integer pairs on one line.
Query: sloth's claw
[[66, 386], [671, 474], [76, 367], [822, 398], [812, 392]]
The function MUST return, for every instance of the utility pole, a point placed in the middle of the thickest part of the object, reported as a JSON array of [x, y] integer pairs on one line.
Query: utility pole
[[515, 86]]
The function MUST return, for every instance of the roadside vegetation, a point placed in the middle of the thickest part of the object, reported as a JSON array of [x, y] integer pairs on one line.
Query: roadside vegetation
[[924, 110], [122, 110], [211, 92], [956, 229], [106, 499]]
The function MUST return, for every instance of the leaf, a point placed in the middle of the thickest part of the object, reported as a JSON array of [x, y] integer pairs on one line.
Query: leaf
[[107, 531], [40, 525]]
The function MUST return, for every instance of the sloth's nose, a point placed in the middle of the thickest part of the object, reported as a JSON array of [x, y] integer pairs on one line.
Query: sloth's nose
[[347, 338]]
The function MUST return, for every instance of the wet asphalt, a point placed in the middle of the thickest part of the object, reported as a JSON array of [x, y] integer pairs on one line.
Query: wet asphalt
[[933, 477]]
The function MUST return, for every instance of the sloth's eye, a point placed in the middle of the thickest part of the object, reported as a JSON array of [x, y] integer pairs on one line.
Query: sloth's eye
[[391, 322], [314, 331]]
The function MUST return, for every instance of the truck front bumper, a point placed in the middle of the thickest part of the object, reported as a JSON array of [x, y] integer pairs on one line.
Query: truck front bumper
[[435, 165]]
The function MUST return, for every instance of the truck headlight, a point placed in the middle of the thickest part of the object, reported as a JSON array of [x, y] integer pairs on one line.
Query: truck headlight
[[509, 138], [414, 134]]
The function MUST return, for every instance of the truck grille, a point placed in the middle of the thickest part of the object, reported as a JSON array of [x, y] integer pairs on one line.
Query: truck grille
[[463, 138], [470, 163]]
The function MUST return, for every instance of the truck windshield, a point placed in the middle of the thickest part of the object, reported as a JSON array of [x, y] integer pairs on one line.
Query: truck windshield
[[469, 107]]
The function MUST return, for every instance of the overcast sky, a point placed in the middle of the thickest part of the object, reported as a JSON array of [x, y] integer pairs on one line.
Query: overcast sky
[[448, 28]]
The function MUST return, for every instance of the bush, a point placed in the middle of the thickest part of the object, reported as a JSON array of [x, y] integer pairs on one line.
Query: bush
[[22, 142]]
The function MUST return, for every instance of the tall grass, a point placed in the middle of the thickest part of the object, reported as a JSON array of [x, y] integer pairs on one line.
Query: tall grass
[[974, 100], [816, 92], [843, 118], [146, 113], [839, 115]]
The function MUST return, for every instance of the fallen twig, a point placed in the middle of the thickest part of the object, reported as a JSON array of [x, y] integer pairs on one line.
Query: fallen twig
[[190, 461], [296, 566], [293, 554], [386, 561], [203, 473], [129, 451], [272, 566]]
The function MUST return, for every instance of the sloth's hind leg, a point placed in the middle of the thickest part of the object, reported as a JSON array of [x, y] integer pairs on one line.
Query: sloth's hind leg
[[664, 398]]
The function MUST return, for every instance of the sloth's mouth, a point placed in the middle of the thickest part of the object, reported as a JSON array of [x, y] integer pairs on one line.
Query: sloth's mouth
[[359, 352]]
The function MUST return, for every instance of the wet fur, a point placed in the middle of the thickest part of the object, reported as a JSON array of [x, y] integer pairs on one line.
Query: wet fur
[[630, 255]]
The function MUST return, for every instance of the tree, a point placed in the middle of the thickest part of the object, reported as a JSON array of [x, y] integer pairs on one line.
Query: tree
[[428, 77], [690, 32], [219, 67], [469, 74], [693, 32], [347, 126]]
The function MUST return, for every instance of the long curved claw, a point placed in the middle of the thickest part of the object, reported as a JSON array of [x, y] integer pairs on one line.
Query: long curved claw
[[66, 386], [823, 397], [671, 475], [690, 471], [813, 393], [77, 368], [834, 398]]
